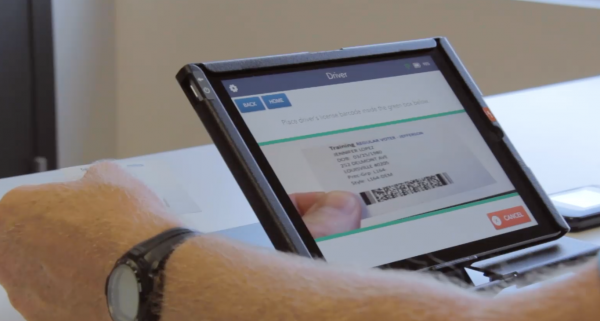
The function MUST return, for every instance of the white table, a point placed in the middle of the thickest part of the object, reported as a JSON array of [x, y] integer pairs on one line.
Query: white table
[[555, 130], [553, 127]]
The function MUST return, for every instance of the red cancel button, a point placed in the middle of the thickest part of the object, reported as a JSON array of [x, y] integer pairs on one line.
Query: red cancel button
[[509, 217]]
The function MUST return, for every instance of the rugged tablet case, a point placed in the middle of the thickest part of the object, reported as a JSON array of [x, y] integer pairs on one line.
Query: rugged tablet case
[[278, 225]]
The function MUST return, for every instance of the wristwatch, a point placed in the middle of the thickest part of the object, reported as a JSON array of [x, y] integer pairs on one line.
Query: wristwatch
[[134, 287]]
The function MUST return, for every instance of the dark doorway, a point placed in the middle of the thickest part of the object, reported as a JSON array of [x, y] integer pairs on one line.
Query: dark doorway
[[27, 106]]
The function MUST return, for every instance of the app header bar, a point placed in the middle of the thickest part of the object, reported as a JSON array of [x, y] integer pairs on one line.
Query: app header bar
[[327, 76]]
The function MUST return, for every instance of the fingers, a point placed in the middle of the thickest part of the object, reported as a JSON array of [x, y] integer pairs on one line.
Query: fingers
[[332, 213], [343, 202], [304, 201]]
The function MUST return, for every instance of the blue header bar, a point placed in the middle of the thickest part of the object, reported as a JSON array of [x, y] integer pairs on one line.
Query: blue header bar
[[327, 76]]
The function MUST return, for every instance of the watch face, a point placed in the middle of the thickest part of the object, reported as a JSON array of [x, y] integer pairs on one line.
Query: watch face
[[123, 294]]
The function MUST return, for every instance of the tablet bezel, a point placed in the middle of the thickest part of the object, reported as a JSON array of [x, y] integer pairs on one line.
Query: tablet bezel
[[550, 225]]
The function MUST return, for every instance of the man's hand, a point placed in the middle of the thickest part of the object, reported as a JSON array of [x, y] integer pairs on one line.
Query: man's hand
[[328, 213], [59, 242]]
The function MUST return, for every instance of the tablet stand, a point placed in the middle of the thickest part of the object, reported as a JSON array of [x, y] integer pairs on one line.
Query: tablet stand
[[521, 267]]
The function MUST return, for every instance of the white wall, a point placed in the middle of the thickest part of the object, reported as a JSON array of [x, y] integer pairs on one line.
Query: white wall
[[507, 45], [84, 44], [118, 96]]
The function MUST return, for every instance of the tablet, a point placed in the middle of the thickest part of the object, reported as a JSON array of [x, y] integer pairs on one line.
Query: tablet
[[400, 125]]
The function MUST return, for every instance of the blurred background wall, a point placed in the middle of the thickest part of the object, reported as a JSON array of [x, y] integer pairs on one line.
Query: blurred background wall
[[116, 59], [85, 75]]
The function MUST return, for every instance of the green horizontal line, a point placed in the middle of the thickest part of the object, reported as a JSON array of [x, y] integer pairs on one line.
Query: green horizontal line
[[333, 132], [416, 217]]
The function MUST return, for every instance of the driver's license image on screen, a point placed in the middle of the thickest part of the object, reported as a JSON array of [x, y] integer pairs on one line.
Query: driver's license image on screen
[[399, 166]]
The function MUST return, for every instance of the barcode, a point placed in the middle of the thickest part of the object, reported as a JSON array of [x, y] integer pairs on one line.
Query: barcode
[[406, 188]]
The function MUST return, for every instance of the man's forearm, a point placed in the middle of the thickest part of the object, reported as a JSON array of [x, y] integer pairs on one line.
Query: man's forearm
[[215, 279], [212, 278], [576, 297]]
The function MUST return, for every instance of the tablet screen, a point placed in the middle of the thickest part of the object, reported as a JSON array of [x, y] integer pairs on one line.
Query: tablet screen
[[393, 133]]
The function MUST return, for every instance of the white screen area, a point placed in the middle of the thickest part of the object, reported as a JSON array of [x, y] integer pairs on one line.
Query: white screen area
[[583, 198], [404, 144]]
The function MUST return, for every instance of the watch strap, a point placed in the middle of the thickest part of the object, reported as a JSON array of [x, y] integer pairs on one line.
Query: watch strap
[[162, 238], [148, 260], [599, 264], [158, 257]]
